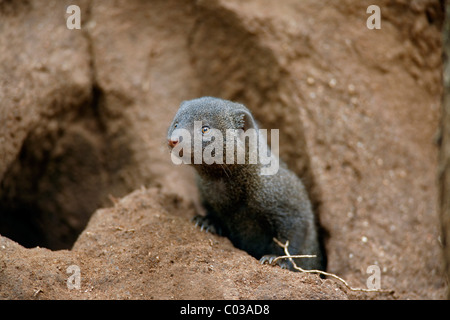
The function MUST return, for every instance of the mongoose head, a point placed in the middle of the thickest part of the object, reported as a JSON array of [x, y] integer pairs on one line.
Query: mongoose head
[[201, 121]]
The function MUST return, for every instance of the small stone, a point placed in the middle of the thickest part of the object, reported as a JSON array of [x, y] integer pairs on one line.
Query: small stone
[[332, 83], [310, 81], [351, 88]]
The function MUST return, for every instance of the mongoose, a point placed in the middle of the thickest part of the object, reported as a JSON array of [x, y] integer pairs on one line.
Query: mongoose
[[241, 203]]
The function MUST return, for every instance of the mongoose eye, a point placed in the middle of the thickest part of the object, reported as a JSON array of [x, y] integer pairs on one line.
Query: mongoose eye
[[205, 129], [176, 125]]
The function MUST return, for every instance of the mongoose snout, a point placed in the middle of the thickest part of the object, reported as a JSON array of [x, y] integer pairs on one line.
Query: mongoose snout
[[173, 142]]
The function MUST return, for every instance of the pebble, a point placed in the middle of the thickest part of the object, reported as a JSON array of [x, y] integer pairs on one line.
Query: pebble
[[310, 80], [351, 88], [332, 83]]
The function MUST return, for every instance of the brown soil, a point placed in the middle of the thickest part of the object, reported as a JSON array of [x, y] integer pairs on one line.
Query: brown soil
[[85, 113]]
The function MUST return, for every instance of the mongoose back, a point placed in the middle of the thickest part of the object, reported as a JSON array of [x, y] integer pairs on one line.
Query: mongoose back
[[248, 207]]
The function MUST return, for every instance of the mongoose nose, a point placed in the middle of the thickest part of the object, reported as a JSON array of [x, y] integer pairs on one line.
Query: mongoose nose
[[173, 142]]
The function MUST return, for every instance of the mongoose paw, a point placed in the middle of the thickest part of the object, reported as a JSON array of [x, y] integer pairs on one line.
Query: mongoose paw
[[205, 224], [269, 258]]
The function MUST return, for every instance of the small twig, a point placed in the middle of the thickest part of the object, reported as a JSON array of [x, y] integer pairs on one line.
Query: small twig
[[113, 199], [290, 257], [39, 290], [297, 256], [118, 228]]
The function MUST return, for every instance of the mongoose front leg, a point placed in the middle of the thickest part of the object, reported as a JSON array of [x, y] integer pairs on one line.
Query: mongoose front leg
[[205, 224], [269, 258]]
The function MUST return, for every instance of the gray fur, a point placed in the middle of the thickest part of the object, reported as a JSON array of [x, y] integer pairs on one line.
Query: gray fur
[[245, 206]]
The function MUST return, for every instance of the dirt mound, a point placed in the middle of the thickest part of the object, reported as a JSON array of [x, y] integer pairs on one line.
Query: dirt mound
[[85, 113], [139, 250]]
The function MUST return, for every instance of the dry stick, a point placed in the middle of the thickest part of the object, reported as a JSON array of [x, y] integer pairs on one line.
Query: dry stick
[[296, 256], [289, 256]]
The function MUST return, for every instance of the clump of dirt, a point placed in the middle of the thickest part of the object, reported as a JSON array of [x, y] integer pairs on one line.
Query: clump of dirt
[[85, 114]]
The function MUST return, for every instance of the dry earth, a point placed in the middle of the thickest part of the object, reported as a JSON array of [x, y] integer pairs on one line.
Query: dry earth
[[84, 114]]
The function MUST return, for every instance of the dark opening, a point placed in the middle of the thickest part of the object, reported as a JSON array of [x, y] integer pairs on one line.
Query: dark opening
[[57, 180]]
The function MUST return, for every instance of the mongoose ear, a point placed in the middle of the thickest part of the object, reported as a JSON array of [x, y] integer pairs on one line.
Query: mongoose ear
[[244, 120]]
